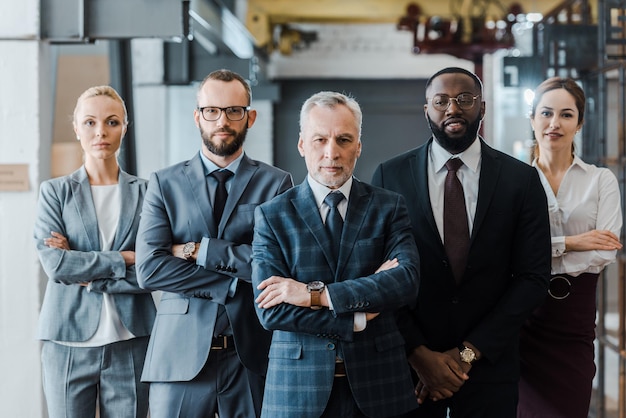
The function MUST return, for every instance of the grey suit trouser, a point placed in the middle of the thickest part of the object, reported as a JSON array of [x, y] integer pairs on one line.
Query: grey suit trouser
[[77, 379], [224, 386]]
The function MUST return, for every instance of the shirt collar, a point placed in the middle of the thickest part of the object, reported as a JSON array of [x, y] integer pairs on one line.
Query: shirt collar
[[210, 166], [320, 191], [577, 162], [470, 157]]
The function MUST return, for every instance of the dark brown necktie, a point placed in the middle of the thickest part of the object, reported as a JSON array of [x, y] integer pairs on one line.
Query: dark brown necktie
[[221, 194], [455, 229]]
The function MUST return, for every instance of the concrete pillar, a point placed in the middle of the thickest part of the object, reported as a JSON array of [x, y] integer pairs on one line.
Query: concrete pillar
[[25, 115]]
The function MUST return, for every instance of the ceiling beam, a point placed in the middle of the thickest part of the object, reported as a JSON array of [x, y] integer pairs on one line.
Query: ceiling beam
[[264, 15]]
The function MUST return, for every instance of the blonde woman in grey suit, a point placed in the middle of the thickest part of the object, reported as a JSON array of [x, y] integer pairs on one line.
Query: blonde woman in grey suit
[[95, 320]]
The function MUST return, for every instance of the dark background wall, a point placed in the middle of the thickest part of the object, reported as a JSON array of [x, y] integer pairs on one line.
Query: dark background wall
[[393, 120]]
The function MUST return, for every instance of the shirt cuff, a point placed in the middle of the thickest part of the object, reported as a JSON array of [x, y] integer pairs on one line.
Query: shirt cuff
[[202, 251], [233, 287], [330, 301], [360, 321], [558, 246]]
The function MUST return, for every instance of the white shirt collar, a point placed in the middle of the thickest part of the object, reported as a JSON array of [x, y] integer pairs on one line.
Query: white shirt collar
[[470, 157], [320, 191]]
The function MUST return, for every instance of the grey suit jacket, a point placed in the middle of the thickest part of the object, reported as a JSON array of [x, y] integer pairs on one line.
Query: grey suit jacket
[[69, 312], [176, 210], [290, 241]]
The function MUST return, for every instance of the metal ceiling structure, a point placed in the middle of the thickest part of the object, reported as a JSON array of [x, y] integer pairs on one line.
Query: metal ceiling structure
[[269, 21]]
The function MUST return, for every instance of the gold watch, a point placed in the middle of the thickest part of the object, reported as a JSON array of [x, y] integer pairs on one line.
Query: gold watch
[[188, 250], [467, 354]]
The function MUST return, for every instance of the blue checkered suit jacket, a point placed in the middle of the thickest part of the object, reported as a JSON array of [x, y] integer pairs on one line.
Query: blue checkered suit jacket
[[290, 241]]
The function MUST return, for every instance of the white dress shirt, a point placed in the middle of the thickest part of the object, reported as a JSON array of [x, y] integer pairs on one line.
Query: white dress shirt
[[588, 198], [320, 192], [468, 174]]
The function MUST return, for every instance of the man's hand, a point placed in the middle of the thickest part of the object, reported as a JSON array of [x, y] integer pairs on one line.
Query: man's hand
[[440, 374], [277, 290]]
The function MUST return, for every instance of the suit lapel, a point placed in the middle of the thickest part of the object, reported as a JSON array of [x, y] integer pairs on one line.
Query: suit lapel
[[419, 174], [358, 206], [198, 191], [81, 189], [238, 185], [489, 173], [129, 195], [306, 207]]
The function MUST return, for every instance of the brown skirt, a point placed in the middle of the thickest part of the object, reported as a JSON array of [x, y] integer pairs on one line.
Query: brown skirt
[[557, 352]]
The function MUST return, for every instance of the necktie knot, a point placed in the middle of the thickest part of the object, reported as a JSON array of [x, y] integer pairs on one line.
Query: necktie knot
[[453, 164], [222, 175], [333, 199]]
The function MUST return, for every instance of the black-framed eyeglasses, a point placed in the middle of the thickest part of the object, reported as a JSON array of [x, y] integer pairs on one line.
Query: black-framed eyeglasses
[[464, 101], [213, 113]]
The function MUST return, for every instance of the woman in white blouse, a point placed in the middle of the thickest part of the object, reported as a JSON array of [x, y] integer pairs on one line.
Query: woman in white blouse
[[556, 345], [95, 320]]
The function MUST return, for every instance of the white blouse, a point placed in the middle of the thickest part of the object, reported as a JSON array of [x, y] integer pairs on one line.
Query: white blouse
[[588, 198], [107, 202]]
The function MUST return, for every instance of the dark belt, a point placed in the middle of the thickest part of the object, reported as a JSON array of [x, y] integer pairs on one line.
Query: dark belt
[[340, 369], [222, 342]]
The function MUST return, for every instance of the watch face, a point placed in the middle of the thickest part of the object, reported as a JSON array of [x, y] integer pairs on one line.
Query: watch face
[[316, 285], [468, 355], [189, 248]]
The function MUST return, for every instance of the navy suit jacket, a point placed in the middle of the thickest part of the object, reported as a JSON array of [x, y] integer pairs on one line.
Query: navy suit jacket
[[290, 241], [69, 312], [508, 266], [176, 210]]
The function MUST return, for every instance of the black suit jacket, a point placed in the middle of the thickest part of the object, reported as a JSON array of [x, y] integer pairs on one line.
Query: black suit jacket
[[508, 267]]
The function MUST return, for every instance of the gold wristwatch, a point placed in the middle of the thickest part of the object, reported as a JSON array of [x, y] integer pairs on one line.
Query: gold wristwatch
[[188, 250], [467, 354]]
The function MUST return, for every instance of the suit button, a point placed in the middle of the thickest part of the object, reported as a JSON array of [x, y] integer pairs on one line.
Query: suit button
[[455, 300], [445, 263], [330, 346]]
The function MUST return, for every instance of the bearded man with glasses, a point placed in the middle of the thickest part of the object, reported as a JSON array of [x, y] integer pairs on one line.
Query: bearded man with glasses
[[481, 225], [209, 352]]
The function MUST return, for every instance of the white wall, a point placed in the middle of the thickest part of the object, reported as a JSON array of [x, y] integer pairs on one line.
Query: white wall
[[24, 139]]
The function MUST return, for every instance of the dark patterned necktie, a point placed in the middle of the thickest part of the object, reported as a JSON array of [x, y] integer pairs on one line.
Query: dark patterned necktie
[[221, 194], [455, 228], [334, 221]]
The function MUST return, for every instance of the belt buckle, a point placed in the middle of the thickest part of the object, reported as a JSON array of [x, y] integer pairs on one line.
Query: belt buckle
[[557, 295], [224, 341], [342, 369]]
